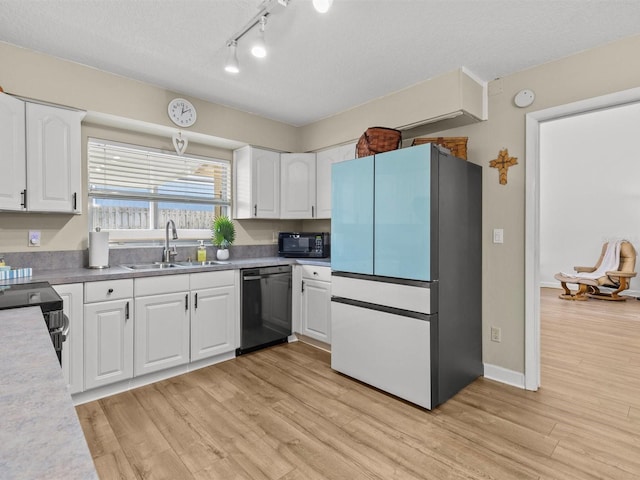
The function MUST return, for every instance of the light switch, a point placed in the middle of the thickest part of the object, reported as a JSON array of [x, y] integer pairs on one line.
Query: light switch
[[498, 235]]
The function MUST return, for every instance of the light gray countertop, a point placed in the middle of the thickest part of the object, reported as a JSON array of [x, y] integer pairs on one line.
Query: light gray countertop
[[80, 275], [40, 434]]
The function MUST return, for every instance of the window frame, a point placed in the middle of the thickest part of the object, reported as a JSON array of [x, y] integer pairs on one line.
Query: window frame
[[153, 236]]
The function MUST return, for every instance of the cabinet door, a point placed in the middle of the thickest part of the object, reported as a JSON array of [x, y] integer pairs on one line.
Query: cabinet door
[[256, 179], [352, 221], [213, 319], [324, 160], [266, 183], [72, 348], [161, 333], [403, 213], [316, 309], [108, 342], [53, 159], [297, 185], [12, 152]]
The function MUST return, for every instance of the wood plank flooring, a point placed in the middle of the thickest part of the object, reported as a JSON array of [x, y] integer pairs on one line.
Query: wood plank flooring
[[282, 413]]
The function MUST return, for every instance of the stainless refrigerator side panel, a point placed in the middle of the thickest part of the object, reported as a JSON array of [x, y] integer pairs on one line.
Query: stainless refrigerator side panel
[[459, 260]]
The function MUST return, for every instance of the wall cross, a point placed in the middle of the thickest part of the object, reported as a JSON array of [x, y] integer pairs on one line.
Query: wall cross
[[502, 163]]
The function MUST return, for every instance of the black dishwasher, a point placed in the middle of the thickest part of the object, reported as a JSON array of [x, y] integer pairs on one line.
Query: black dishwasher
[[265, 316]]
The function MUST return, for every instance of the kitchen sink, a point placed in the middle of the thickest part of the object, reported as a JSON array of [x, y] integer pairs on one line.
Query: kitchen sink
[[202, 264], [150, 266]]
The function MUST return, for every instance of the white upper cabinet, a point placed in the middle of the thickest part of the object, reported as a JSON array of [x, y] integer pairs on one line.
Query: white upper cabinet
[[324, 160], [297, 185], [53, 159], [12, 151], [256, 175], [40, 148]]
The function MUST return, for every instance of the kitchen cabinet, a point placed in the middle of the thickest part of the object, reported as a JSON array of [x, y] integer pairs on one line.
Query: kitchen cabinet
[[315, 302], [297, 185], [54, 181], [108, 332], [73, 347], [42, 145], [324, 160], [161, 337], [256, 174], [13, 180], [213, 313]]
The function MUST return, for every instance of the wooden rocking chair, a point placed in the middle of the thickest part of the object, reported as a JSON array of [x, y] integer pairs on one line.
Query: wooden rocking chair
[[589, 279]]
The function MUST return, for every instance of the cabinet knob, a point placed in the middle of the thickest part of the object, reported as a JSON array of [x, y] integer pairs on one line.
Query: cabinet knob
[[110, 291]]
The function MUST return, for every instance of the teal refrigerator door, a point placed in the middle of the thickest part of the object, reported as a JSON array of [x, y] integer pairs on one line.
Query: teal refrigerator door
[[352, 216], [403, 213]]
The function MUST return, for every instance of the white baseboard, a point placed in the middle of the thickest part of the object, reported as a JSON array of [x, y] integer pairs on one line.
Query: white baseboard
[[504, 375]]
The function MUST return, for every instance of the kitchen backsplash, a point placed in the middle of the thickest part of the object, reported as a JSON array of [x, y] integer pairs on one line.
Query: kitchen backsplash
[[71, 259]]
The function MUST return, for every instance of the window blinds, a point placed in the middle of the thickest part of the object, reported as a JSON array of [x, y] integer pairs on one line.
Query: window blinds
[[129, 172]]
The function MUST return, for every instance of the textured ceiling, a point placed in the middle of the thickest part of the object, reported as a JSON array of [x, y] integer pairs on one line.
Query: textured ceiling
[[318, 64]]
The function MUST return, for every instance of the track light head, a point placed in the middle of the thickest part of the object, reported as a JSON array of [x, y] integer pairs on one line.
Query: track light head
[[232, 65], [259, 48], [322, 6]]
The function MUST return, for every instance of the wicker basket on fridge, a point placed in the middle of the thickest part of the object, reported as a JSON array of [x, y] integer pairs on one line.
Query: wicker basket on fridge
[[377, 140], [457, 145]]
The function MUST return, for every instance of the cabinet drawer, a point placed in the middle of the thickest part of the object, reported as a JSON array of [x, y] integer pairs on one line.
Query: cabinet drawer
[[161, 284], [108, 290], [213, 279], [313, 272]]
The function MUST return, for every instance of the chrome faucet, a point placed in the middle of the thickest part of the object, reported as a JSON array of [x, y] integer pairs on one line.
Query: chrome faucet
[[167, 253]]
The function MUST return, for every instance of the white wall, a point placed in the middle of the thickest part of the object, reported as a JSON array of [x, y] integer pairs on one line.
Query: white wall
[[589, 188]]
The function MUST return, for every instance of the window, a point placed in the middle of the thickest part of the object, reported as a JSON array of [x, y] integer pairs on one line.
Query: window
[[134, 191]]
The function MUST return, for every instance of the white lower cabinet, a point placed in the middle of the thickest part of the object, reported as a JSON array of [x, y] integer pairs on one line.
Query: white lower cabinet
[[162, 323], [213, 314], [108, 333], [133, 327], [73, 347], [315, 302]]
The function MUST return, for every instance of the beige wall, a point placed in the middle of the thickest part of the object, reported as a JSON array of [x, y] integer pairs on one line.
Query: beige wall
[[603, 70], [596, 72]]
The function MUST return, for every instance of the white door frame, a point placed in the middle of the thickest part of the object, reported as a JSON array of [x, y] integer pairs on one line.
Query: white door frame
[[532, 217]]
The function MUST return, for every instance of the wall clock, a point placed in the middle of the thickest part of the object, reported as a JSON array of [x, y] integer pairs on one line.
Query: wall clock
[[182, 112]]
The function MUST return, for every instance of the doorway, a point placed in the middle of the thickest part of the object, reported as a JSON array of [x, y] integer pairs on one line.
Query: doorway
[[534, 121]]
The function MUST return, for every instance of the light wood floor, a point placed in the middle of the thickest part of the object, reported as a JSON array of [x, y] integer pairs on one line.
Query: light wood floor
[[282, 413]]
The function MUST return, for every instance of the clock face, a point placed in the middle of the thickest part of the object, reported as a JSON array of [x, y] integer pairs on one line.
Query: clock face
[[182, 112]]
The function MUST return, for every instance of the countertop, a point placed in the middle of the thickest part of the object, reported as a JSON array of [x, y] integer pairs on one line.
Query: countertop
[[40, 434], [80, 275]]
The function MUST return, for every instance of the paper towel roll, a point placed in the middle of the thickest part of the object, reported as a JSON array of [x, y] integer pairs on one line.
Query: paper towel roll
[[98, 249]]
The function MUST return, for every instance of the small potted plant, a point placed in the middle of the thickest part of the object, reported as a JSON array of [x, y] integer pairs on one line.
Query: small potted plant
[[223, 234]]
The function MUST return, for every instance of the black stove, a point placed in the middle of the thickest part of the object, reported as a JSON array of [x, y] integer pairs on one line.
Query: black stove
[[40, 294]]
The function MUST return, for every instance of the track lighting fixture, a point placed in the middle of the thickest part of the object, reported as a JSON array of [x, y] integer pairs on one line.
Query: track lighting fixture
[[259, 48], [322, 6], [232, 65]]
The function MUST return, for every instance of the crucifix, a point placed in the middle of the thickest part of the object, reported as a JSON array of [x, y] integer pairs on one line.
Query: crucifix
[[502, 163]]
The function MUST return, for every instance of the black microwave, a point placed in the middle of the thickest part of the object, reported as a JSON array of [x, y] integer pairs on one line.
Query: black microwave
[[301, 245]]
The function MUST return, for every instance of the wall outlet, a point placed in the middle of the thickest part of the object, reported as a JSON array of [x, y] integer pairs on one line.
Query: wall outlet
[[498, 235], [34, 238], [496, 334]]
